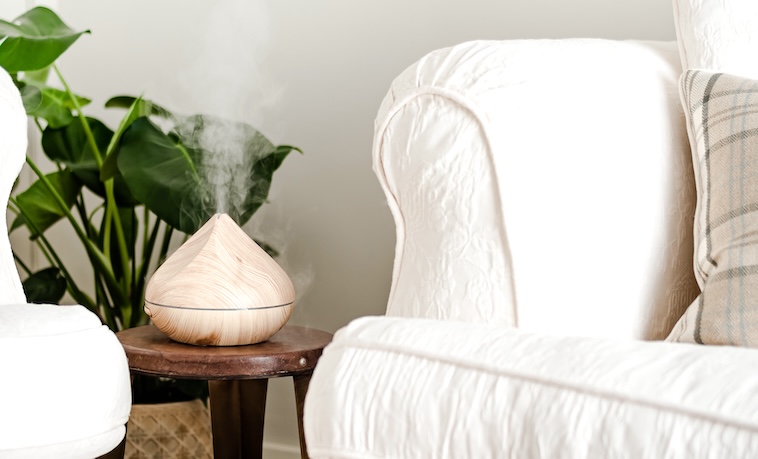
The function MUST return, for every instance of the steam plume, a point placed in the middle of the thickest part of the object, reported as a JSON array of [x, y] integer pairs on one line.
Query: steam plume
[[228, 81]]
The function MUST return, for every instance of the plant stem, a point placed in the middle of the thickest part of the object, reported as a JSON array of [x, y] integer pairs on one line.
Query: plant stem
[[133, 263], [106, 306], [145, 230], [148, 248], [187, 158], [83, 217], [109, 195], [54, 260], [82, 119], [164, 245], [22, 265], [64, 208], [99, 261], [106, 231], [120, 238], [81, 297], [147, 255]]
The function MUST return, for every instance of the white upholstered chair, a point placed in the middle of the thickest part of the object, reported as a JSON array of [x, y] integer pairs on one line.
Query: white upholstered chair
[[64, 380], [544, 197]]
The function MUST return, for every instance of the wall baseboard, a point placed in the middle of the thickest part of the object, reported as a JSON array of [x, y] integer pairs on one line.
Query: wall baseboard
[[280, 451]]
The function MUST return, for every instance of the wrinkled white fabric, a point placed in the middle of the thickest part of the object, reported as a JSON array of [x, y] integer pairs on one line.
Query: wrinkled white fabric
[[91, 447], [27, 321], [546, 185], [718, 35], [12, 153], [65, 382], [541, 183], [407, 388]]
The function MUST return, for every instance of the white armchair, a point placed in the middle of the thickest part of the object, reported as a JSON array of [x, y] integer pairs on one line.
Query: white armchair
[[65, 381], [544, 197]]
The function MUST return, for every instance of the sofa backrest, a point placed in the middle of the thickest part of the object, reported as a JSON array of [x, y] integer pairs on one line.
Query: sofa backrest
[[13, 141], [545, 184]]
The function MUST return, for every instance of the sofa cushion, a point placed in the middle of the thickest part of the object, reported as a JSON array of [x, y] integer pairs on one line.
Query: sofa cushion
[[718, 35], [722, 114], [29, 320], [396, 387], [65, 380]]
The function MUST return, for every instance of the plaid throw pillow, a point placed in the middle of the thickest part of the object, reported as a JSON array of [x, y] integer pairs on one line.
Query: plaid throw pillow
[[722, 118]]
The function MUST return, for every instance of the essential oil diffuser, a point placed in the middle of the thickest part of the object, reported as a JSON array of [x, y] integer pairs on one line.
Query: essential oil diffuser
[[219, 289]]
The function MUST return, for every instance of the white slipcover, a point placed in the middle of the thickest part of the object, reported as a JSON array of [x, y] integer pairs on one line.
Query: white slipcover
[[718, 35], [523, 175], [64, 379], [420, 388], [543, 196]]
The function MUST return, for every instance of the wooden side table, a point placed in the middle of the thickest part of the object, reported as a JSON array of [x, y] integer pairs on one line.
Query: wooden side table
[[237, 378]]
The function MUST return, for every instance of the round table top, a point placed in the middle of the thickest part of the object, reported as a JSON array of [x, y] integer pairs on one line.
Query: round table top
[[290, 351]]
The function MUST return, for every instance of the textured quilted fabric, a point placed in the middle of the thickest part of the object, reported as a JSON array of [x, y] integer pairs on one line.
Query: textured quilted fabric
[[407, 388], [545, 184], [718, 35]]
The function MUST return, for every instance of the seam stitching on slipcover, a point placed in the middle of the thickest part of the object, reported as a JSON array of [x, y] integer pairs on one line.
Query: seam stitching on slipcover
[[537, 379]]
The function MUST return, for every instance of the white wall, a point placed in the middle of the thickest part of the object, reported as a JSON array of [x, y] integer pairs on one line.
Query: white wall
[[329, 64]]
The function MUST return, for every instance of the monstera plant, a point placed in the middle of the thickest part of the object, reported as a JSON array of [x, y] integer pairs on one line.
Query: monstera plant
[[123, 191]]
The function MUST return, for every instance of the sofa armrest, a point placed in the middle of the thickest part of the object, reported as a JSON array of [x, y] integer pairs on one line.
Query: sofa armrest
[[540, 183], [393, 387]]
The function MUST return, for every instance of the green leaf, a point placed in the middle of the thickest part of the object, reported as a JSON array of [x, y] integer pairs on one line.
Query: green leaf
[[56, 115], [51, 104], [137, 109], [174, 175], [38, 77], [46, 286], [34, 40], [39, 205], [62, 98], [268, 248], [161, 174], [31, 96], [52, 110], [129, 226], [150, 107], [55, 107], [68, 145], [216, 142], [261, 175]]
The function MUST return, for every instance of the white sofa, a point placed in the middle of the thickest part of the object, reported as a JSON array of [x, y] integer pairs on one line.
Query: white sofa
[[544, 198], [64, 378]]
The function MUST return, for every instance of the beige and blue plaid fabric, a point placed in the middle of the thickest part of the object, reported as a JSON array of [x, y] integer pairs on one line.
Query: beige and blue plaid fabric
[[722, 116]]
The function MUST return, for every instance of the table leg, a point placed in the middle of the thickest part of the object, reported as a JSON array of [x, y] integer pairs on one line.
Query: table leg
[[237, 411], [301, 387]]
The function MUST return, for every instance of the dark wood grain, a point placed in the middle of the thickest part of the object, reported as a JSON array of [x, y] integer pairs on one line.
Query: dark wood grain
[[237, 379], [238, 408], [301, 388], [291, 351]]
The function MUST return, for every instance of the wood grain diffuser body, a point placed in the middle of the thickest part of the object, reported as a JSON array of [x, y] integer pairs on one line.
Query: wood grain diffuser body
[[219, 289]]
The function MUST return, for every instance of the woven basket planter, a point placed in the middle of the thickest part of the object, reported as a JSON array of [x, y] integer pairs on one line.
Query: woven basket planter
[[169, 430]]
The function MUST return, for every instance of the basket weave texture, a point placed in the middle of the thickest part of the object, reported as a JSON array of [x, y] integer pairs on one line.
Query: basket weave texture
[[169, 430]]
